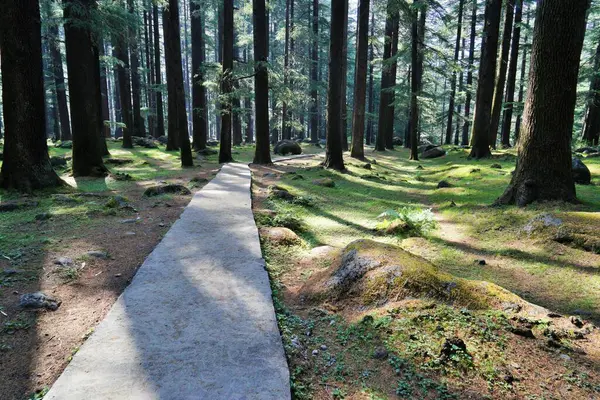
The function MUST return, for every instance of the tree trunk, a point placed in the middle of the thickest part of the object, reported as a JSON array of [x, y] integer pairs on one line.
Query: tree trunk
[[226, 83], [219, 56], [117, 98], [454, 68], [26, 164], [480, 138], [521, 85], [391, 110], [360, 81], [236, 121], [333, 153], [262, 153], [344, 72], [104, 94], [178, 127], [138, 122], [83, 66], [371, 107], [591, 127], [160, 117], [59, 80], [120, 52], [314, 75], [417, 39], [148, 40], [461, 88], [512, 76], [467, 121], [543, 169], [501, 79], [199, 110], [384, 97]]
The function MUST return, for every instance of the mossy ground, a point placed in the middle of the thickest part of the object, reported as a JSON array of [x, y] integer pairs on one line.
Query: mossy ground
[[561, 278]]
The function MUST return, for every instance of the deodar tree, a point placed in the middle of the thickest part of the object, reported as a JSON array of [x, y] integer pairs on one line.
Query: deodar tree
[[26, 164], [544, 163], [360, 85]]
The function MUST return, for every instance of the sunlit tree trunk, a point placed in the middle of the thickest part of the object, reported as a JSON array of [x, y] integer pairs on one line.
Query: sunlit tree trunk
[[449, 125], [360, 81], [199, 110], [226, 83], [512, 76], [467, 121], [261, 83]]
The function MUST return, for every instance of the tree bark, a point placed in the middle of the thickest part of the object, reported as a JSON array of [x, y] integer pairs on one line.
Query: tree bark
[[501, 79], [480, 137], [391, 110], [467, 121], [512, 76], [236, 121], [104, 94], [160, 117], [178, 127], [461, 88], [417, 44], [521, 85], [200, 114], [449, 125], [26, 165], [83, 66], [262, 153], [543, 169], [151, 94], [117, 98], [120, 52], [314, 75], [360, 81], [226, 83], [333, 152], [384, 96]]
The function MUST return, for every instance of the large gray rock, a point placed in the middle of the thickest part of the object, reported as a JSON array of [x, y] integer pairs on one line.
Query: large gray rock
[[352, 268], [67, 144], [581, 173], [425, 147], [146, 142], [434, 152], [285, 147], [169, 188]]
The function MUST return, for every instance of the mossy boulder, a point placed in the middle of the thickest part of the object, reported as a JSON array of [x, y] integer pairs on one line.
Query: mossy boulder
[[169, 188], [371, 273], [279, 236], [285, 147]]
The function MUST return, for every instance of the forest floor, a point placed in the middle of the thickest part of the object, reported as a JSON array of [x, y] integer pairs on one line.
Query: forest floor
[[344, 347], [44, 247]]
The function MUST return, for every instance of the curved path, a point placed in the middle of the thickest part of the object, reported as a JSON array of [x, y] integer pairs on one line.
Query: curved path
[[197, 321]]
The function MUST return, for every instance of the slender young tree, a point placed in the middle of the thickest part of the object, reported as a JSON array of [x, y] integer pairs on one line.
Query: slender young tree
[[83, 67], [199, 108], [522, 84], [344, 73], [455, 67], [120, 53], [262, 153], [178, 127], [591, 127], [371, 106], [160, 117], [333, 153], [314, 75], [544, 164], [512, 76], [138, 122], [226, 82], [26, 164], [59, 76], [417, 46], [480, 138], [384, 96], [286, 132], [467, 120], [360, 81], [501, 78], [390, 114], [104, 94]]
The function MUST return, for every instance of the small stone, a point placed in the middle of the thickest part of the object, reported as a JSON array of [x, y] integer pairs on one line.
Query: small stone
[[63, 261], [564, 357], [315, 352], [367, 166], [554, 315], [323, 347], [118, 275], [10, 272], [523, 332], [332, 322], [380, 353], [452, 204], [443, 184], [38, 301], [98, 254], [496, 166], [161, 224], [480, 262], [577, 322], [420, 167], [129, 234], [130, 220], [475, 170]]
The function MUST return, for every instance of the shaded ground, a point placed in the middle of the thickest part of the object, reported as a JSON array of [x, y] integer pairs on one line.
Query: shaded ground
[[560, 277]]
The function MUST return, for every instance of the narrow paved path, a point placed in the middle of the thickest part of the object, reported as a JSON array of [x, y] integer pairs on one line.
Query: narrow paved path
[[197, 321]]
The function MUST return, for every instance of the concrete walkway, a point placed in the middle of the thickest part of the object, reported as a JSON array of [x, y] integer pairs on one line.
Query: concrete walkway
[[197, 322]]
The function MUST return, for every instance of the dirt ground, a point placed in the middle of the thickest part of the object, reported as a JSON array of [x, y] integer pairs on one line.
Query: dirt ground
[[36, 348]]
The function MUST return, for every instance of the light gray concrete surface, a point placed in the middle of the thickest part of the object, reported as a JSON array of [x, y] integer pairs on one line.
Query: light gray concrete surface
[[197, 321]]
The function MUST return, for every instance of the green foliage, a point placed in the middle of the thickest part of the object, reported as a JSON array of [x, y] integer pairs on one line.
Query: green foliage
[[417, 221]]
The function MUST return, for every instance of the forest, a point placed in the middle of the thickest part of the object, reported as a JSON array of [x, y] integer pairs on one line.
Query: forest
[[419, 179]]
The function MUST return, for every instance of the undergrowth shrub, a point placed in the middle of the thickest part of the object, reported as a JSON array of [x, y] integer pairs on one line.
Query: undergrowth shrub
[[406, 221]]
